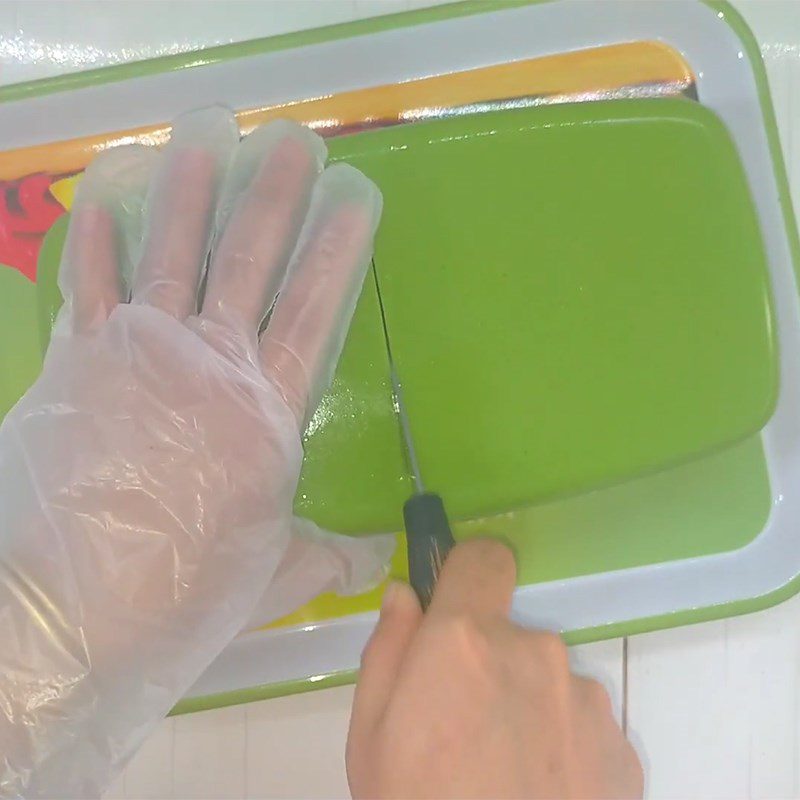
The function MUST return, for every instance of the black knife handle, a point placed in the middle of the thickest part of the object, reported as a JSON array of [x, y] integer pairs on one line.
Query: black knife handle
[[429, 542]]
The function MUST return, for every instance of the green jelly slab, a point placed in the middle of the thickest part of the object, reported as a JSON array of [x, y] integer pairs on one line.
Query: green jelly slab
[[575, 295], [353, 477]]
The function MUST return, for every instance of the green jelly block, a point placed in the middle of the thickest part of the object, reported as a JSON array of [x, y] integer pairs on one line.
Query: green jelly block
[[353, 476], [575, 295]]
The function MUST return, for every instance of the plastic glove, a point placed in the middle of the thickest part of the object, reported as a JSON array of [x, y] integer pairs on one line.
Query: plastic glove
[[147, 478]]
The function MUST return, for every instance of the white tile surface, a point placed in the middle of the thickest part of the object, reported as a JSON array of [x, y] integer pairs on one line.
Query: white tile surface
[[716, 706], [47, 37], [292, 747], [295, 745], [210, 754], [151, 775], [602, 661]]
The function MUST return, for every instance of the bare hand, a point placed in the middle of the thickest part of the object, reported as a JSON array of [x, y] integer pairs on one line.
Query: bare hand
[[462, 703]]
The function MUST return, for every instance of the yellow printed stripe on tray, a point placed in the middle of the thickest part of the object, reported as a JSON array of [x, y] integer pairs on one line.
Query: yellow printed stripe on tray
[[329, 606], [638, 68]]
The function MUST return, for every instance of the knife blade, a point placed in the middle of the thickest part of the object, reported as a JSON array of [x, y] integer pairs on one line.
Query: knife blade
[[427, 527]]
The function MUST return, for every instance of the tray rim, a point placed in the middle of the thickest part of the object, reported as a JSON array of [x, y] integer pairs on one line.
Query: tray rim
[[200, 58]]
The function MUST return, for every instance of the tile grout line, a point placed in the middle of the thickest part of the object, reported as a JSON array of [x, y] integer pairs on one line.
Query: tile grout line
[[173, 735], [624, 721], [246, 765], [791, 162]]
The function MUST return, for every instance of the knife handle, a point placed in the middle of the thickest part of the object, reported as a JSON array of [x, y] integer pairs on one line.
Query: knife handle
[[429, 541]]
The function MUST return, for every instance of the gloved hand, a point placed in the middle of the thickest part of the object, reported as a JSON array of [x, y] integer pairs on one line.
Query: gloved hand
[[147, 478]]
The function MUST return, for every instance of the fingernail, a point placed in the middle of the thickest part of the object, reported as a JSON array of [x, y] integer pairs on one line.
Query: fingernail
[[390, 596]]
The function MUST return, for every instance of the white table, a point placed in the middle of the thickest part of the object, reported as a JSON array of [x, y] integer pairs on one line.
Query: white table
[[714, 709]]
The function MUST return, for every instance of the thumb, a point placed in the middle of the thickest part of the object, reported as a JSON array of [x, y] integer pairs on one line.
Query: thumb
[[401, 616]]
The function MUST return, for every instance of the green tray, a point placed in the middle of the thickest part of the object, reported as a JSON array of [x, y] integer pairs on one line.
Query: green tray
[[708, 504]]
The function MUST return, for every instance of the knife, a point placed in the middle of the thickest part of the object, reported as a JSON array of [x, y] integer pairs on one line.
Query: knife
[[427, 526]]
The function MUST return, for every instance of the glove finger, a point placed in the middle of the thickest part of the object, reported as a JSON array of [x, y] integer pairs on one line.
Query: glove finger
[[180, 210], [317, 561], [307, 329], [104, 231], [263, 203]]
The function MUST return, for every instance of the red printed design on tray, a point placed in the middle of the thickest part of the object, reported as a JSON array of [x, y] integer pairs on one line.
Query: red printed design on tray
[[27, 211]]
